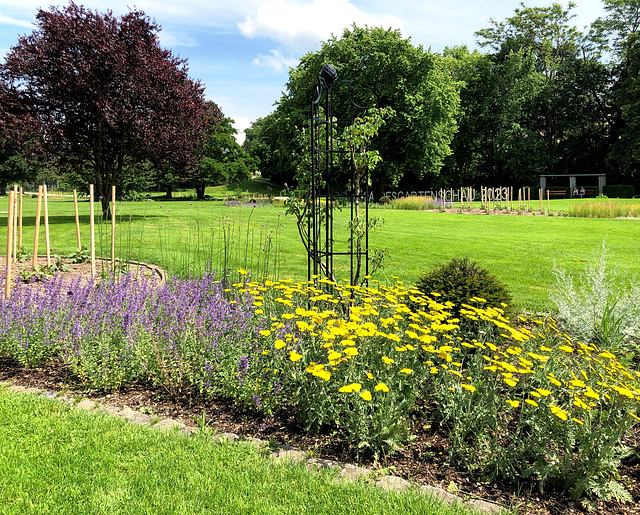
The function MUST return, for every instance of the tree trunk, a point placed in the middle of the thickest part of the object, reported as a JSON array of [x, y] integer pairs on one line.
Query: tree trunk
[[200, 192], [106, 208], [3, 188], [169, 190]]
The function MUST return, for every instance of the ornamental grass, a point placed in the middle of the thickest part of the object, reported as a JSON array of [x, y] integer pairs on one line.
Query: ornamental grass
[[517, 397]]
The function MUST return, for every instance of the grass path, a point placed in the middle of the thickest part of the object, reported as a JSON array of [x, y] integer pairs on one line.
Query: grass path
[[58, 460]]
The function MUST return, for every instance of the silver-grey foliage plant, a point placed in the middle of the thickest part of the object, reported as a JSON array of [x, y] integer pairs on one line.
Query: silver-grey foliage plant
[[601, 306]]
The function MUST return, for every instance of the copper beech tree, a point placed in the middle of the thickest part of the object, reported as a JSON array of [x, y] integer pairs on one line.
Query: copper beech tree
[[106, 94]]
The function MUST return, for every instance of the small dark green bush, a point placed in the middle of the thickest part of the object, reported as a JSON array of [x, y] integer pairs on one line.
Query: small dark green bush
[[460, 280], [384, 200]]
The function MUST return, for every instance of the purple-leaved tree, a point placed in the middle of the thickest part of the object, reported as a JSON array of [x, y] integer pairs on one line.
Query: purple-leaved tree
[[107, 95]]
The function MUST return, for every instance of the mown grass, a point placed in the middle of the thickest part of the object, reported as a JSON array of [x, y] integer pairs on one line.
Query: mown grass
[[183, 236], [58, 460]]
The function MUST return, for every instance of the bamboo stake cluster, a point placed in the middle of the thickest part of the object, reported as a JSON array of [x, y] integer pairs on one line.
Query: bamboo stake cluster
[[14, 229]]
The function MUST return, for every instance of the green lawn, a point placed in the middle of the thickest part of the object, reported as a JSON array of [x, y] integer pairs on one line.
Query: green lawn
[[57, 460], [183, 235]]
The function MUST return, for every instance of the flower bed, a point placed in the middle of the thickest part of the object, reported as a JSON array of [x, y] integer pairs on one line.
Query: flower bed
[[518, 399]]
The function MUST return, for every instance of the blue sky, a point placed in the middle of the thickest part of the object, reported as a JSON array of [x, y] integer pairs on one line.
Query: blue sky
[[242, 50]]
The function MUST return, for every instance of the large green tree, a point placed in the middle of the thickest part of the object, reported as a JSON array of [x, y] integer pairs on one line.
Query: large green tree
[[620, 29], [537, 103], [17, 129], [387, 71]]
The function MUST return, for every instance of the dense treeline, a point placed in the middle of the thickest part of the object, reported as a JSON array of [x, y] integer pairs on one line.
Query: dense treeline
[[94, 98], [542, 98]]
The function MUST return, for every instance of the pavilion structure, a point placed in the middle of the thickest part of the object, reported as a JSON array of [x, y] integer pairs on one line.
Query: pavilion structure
[[573, 182]]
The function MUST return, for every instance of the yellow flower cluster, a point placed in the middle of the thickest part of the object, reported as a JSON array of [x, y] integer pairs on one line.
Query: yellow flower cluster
[[377, 338]]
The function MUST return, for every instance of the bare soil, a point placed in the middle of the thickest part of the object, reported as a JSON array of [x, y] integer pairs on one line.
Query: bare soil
[[23, 271]]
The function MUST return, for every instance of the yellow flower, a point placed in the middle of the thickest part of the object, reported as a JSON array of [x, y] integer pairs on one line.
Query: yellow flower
[[388, 361], [294, 356], [279, 344], [514, 404], [259, 311], [323, 374], [554, 380], [566, 348], [510, 382], [353, 387], [265, 332], [406, 371], [381, 387], [433, 370], [366, 395], [242, 272], [369, 375], [591, 393], [468, 387], [558, 412], [532, 402], [351, 351]]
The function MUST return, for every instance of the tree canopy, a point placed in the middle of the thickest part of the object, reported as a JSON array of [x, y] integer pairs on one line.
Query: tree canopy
[[387, 71], [107, 95]]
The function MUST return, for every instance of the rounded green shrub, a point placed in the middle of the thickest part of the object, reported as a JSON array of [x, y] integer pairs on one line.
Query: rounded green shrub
[[460, 280]]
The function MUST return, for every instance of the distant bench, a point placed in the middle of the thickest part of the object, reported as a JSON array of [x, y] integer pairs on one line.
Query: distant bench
[[557, 193]]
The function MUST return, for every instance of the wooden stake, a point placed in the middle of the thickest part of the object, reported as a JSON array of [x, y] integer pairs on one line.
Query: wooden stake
[[92, 231], [46, 224], [529, 199], [15, 223], [113, 228], [20, 218], [540, 197], [37, 235], [548, 210], [7, 288], [75, 208]]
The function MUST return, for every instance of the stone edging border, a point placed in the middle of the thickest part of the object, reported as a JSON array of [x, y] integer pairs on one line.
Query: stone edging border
[[286, 453]]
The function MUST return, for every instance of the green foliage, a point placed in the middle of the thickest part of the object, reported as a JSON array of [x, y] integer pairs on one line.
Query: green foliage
[[388, 72], [537, 101], [619, 190], [82, 255], [460, 281]]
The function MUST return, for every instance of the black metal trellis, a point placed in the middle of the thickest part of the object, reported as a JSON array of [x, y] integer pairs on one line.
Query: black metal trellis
[[326, 194]]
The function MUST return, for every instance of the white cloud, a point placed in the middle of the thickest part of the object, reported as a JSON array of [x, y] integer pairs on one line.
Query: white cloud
[[6, 20], [241, 123], [176, 39], [301, 26], [276, 60]]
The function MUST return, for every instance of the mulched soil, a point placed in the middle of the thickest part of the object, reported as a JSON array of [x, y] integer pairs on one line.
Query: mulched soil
[[425, 461]]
